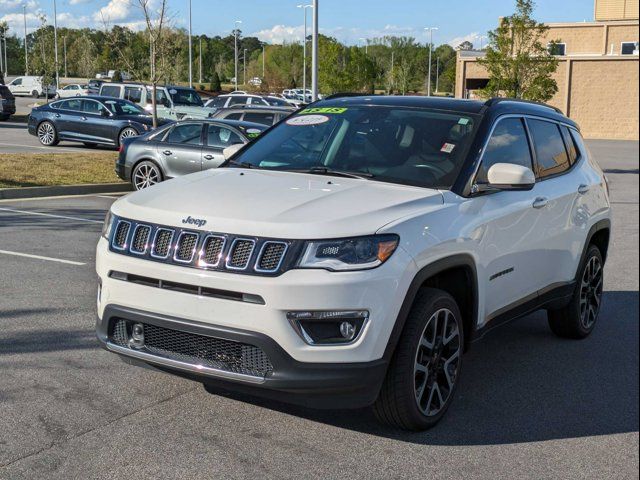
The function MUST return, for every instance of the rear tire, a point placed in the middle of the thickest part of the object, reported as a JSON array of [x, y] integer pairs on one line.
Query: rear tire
[[47, 134], [578, 319], [423, 375], [35, 94], [145, 175]]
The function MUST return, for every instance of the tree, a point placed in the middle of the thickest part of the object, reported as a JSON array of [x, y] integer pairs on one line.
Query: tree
[[465, 46], [42, 63], [215, 82], [519, 64], [83, 56]]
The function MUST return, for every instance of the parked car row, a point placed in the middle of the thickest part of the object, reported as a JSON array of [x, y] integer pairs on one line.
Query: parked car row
[[30, 86]]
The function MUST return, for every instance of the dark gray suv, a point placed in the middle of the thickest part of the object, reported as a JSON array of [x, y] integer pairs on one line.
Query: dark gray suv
[[181, 148]]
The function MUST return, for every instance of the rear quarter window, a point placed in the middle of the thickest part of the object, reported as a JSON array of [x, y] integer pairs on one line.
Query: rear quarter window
[[551, 154]]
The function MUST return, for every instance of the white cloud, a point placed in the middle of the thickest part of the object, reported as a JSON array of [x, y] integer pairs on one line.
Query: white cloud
[[280, 34], [473, 37], [78, 2], [15, 21], [114, 11]]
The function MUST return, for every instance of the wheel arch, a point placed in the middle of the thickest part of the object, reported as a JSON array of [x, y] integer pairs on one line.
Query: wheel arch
[[456, 275], [599, 235], [147, 159]]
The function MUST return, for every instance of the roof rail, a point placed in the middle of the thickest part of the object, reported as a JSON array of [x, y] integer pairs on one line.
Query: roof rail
[[495, 100]]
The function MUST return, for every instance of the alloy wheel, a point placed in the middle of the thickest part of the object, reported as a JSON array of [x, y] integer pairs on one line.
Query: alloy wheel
[[145, 176], [127, 133], [437, 362], [591, 289], [46, 133]]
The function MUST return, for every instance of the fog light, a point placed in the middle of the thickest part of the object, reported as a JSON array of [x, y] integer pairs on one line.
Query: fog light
[[347, 330], [137, 336], [328, 327]]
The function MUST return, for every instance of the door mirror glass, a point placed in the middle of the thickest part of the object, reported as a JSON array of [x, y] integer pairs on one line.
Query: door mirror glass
[[231, 151], [509, 176]]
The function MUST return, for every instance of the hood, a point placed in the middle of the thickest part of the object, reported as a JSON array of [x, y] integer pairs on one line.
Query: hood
[[276, 204]]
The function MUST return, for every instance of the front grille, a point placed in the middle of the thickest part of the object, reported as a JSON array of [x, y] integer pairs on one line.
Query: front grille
[[212, 250], [186, 248], [198, 350], [203, 250], [121, 235], [140, 239], [241, 251], [162, 243], [272, 254]]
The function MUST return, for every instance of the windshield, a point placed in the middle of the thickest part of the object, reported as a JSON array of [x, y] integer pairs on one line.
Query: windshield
[[418, 147], [277, 102], [123, 107], [185, 97]]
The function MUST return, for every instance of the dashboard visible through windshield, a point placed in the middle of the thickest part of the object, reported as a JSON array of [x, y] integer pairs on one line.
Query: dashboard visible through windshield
[[421, 147]]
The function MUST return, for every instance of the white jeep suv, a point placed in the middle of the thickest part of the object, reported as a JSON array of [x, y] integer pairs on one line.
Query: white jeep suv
[[352, 254]]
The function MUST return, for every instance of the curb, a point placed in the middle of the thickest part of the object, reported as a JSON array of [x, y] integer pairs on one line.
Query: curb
[[60, 190]]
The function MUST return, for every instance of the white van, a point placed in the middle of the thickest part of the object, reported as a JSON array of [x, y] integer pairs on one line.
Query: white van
[[30, 86]]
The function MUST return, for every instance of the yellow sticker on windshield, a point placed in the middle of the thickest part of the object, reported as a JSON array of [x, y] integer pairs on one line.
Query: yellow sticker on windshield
[[325, 110]]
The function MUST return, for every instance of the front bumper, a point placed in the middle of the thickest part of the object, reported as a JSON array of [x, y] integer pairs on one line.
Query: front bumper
[[320, 385]]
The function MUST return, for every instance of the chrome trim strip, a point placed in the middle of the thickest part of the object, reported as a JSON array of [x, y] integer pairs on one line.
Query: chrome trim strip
[[153, 245], [187, 367], [177, 246], [230, 253], [133, 237], [201, 262], [115, 232], [257, 268]]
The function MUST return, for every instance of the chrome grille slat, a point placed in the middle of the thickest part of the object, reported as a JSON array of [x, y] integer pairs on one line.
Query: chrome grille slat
[[203, 250], [162, 243], [240, 254], [185, 248], [271, 256], [140, 239]]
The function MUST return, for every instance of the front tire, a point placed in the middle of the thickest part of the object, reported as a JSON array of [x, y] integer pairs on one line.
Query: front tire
[[578, 319], [145, 175], [423, 375], [47, 134], [127, 132]]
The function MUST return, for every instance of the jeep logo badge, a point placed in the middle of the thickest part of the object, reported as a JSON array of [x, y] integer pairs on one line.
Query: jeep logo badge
[[194, 221]]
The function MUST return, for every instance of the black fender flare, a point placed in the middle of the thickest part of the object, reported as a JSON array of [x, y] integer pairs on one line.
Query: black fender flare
[[439, 266], [595, 228]]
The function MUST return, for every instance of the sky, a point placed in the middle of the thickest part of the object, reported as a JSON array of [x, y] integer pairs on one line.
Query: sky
[[274, 21]]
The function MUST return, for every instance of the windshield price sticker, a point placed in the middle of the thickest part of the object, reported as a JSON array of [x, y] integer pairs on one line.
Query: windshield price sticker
[[463, 121], [447, 148], [307, 120], [326, 110]]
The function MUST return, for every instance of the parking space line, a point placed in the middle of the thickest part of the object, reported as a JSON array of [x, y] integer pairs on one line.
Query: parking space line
[[38, 257], [48, 149], [12, 210]]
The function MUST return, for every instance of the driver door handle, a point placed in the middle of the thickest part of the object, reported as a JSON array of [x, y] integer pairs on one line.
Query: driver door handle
[[582, 189], [84, 119], [209, 157], [540, 202], [167, 152]]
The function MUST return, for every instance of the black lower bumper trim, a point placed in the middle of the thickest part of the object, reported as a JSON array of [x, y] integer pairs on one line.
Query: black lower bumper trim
[[316, 385]]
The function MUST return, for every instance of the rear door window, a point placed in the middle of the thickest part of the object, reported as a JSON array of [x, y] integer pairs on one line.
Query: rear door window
[[72, 104], [508, 144], [133, 94], [262, 118], [551, 153], [222, 137], [188, 134], [238, 100]]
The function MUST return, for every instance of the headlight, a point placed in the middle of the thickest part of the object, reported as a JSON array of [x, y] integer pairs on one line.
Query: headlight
[[358, 253], [107, 225]]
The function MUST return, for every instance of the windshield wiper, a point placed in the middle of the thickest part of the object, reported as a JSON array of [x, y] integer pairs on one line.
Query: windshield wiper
[[242, 164], [337, 173]]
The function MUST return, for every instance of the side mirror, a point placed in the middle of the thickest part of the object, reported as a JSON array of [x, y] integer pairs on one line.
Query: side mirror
[[231, 151], [508, 176], [105, 113]]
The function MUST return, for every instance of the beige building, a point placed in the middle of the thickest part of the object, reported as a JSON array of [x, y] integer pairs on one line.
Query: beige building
[[597, 77]]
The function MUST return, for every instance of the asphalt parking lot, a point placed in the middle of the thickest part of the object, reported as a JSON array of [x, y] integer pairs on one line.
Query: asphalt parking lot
[[529, 406]]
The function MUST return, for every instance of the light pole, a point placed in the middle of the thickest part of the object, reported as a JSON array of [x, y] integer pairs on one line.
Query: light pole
[[235, 39], [190, 51], [437, 72], [304, 50], [3, 70], [244, 73], [264, 55], [55, 43], [200, 60], [314, 48], [482, 37], [64, 53], [366, 45], [430, 30], [26, 54]]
